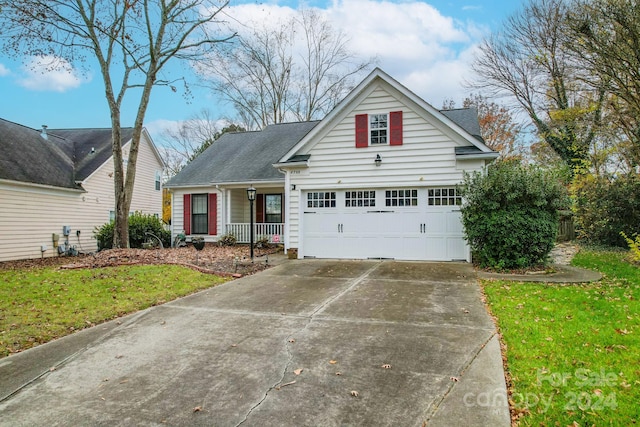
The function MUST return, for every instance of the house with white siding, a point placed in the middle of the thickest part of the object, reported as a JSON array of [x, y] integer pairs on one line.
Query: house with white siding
[[56, 186], [376, 178]]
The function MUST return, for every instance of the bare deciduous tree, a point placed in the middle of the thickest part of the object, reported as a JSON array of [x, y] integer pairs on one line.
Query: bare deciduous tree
[[296, 70], [183, 144], [130, 40], [529, 63]]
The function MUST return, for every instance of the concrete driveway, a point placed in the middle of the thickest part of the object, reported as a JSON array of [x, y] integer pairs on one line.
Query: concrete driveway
[[306, 343]]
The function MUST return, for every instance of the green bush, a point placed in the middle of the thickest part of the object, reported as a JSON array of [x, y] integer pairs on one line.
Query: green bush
[[510, 214], [605, 207], [139, 225]]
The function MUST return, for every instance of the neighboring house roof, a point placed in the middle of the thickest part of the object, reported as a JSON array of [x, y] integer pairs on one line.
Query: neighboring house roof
[[92, 147], [243, 156], [62, 159]]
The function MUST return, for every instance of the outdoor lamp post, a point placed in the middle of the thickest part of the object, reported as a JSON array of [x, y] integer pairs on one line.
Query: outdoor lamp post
[[251, 195]]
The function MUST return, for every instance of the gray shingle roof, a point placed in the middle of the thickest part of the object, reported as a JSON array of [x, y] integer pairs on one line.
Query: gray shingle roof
[[467, 119], [243, 156], [60, 160], [84, 140]]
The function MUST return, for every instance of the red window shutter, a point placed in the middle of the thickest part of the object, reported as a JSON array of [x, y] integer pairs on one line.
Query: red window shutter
[[186, 208], [362, 130], [260, 208], [395, 128], [213, 214]]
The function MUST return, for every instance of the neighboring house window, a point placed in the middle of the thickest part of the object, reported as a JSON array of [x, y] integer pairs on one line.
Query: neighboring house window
[[401, 198], [321, 199], [112, 215], [158, 177], [200, 213], [359, 199], [379, 129], [444, 197], [273, 208]]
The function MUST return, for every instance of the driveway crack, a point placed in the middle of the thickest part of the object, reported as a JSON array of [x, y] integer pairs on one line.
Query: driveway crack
[[290, 340]]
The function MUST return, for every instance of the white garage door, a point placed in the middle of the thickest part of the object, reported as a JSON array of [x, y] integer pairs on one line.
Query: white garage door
[[408, 224]]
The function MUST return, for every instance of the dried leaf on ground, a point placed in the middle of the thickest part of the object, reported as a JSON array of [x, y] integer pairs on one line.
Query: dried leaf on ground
[[298, 371]]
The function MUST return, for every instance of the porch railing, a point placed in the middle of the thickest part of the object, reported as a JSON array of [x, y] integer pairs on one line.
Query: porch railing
[[241, 231]]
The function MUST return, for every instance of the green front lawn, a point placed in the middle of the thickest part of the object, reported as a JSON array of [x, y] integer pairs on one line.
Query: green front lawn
[[573, 351], [41, 304]]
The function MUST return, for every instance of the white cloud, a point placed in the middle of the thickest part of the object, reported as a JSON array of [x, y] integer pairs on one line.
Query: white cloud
[[49, 73], [425, 50], [4, 71]]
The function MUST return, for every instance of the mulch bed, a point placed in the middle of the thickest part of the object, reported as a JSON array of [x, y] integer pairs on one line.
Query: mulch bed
[[221, 260]]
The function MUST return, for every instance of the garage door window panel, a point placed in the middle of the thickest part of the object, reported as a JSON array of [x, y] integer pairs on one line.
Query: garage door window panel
[[402, 198], [444, 197], [360, 199], [321, 199]]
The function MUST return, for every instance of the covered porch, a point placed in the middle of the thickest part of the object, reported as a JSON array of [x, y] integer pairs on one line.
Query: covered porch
[[268, 214]]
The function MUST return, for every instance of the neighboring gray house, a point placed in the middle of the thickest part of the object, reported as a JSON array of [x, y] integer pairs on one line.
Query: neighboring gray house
[[375, 178], [52, 178]]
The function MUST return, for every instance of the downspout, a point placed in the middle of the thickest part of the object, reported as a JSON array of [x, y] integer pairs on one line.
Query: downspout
[[287, 205]]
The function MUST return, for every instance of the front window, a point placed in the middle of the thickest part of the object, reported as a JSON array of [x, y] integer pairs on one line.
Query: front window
[[273, 208], [199, 215], [378, 128]]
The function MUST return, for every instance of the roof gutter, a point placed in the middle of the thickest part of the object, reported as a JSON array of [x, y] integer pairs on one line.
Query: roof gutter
[[42, 186], [487, 156], [227, 184], [300, 164]]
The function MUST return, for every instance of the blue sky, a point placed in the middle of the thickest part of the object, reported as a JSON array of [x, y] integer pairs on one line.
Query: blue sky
[[426, 45]]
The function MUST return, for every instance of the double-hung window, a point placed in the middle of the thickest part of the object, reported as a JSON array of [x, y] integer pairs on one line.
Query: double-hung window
[[199, 214], [378, 126], [273, 208]]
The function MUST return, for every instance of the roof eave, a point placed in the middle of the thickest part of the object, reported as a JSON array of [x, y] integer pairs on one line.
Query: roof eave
[[292, 165]]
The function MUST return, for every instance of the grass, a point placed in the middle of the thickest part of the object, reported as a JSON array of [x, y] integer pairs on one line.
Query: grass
[[40, 304], [573, 351]]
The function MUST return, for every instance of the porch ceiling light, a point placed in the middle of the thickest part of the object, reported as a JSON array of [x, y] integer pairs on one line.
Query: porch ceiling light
[[251, 194]]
